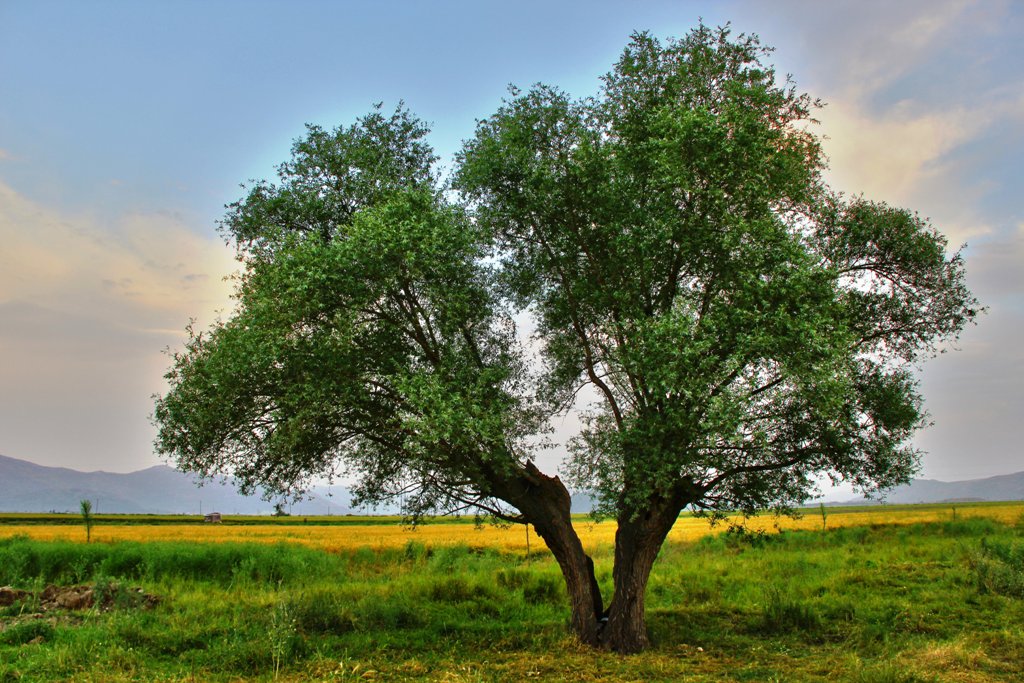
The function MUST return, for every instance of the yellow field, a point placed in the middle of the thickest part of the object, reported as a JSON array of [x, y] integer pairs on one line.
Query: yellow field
[[513, 539]]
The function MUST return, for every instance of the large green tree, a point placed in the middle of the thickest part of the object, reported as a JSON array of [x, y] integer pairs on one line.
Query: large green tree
[[745, 330]]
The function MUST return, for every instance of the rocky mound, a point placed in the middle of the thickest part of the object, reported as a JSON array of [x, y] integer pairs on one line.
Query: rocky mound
[[104, 596]]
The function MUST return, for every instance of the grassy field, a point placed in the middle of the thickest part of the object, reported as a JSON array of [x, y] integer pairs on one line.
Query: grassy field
[[350, 533], [895, 594]]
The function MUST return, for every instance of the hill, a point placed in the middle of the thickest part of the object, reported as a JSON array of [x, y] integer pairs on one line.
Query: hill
[[27, 487], [1003, 487]]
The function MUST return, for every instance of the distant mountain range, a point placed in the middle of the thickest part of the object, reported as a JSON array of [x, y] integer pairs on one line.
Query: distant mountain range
[[1003, 487], [27, 487]]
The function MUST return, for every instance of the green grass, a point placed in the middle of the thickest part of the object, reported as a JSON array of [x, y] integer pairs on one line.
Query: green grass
[[934, 602]]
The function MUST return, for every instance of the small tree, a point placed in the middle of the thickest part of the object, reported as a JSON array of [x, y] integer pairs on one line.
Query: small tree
[[86, 509], [745, 329]]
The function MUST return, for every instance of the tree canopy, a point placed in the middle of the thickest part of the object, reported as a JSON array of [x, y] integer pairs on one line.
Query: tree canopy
[[746, 330]]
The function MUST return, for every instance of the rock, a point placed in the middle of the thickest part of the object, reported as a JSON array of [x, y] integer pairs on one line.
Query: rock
[[75, 597], [9, 596]]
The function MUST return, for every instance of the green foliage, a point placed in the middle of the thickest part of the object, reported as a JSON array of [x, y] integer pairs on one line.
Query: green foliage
[[999, 567], [535, 588], [743, 326], [745, 329], [781, 613], [86, 511], [322, 611], [23, 561]]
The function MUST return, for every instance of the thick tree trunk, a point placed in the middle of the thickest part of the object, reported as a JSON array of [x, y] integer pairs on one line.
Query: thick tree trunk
[[546, 503], [580, 582], [637, 542]]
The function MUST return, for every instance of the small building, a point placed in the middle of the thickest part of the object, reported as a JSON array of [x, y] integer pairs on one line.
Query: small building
[[213, 517]]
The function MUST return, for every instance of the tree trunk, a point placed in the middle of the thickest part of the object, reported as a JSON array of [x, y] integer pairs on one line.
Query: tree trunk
[[580, 582], [637, 542], [546, 503]]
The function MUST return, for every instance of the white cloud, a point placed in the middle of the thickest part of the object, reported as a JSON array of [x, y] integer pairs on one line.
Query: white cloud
[[900, 157], [886, 156], [146, 270], [85, 311]]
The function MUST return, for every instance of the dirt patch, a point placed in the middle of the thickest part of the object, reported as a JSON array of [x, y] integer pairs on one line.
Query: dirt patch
[[9, 596], [104, 596]]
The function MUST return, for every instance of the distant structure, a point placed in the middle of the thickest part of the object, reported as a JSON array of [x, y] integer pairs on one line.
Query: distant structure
[[213, 517]]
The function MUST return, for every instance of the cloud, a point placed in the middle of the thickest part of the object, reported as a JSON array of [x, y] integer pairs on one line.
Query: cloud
[[144, 271], [925, 104], [85, 312], [888, 155], [915, 96], [5, 155]]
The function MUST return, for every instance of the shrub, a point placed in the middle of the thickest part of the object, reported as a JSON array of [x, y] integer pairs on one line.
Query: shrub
[[999, 568], [543, 589], [390, 612]]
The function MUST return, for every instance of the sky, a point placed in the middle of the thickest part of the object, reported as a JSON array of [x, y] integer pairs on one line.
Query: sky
[[125, 127]]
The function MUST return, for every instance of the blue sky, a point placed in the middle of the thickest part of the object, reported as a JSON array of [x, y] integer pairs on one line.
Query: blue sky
[[126, 126]]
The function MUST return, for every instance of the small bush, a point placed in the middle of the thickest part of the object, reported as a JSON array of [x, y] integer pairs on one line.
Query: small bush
[[739, 536], [449, 558], [513, 579], [886, 673], [415, 552], [453, 589], [536, 588], [543, 589], [390, 612], [109, 593]]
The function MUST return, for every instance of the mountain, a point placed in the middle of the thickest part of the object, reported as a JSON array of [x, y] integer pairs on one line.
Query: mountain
[[1003, 487], [27, 487]]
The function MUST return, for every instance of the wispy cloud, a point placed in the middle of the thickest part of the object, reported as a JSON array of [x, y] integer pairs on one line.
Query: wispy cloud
[[144, 270], [909, 98], [85, 311], [901, 157]]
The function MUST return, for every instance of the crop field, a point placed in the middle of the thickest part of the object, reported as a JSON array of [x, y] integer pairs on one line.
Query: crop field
[[879, 594], [337, 534]]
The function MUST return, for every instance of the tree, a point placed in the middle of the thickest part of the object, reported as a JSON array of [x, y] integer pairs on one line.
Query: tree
[[746, 330], [86, 509]]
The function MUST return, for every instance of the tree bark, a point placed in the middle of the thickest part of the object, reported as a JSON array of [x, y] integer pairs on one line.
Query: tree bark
[[547, 505], [637, 542]]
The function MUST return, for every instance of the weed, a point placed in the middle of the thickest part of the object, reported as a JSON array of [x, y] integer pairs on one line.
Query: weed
[[887, 673], [322, 611], [543, 590], [395, 613], [999, 568], [781, 613], [282, 635]]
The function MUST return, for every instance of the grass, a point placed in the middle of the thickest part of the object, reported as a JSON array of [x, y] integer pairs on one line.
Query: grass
[[924, 601]]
